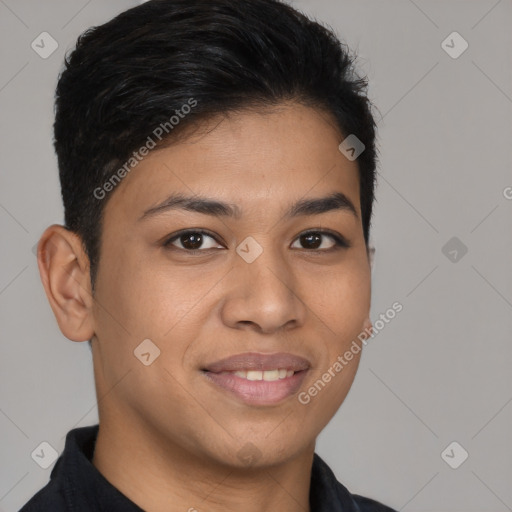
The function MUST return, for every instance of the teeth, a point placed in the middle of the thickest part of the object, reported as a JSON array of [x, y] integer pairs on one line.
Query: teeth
[[268, 375], [254, 375]]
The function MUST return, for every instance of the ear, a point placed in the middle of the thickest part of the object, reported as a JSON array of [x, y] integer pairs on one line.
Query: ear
[[64, 270]]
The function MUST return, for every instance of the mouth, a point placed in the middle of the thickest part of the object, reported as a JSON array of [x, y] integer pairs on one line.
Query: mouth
[[258, 379]]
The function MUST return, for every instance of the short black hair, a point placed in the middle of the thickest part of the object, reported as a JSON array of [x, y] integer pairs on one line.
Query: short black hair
[[138, 71]]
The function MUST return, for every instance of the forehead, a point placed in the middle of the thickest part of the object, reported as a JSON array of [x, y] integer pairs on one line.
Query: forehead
[[253, 159]]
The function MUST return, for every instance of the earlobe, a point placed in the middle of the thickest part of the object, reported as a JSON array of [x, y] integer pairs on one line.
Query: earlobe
[[64, 270]]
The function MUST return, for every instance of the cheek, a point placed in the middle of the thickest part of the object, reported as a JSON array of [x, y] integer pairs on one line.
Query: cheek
[[169, 306], [341, 299], [139, 296], [327, 389], [129, 309]]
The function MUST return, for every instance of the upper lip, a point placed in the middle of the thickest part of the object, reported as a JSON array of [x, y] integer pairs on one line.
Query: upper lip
[[258, 361]]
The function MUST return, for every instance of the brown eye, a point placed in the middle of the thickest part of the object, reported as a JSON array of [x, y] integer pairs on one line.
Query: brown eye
[[311, 240], [192, 241], [316, 240]]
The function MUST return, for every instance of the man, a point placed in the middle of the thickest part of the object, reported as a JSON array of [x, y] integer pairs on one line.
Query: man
[[217, 163]]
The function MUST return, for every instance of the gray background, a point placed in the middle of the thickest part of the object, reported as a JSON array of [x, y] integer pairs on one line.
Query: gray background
[[438, 372]]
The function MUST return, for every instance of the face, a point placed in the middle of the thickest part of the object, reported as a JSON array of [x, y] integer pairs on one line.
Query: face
[[253, 276]]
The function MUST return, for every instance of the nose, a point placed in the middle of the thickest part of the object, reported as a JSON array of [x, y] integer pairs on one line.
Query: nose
[[264, 296]]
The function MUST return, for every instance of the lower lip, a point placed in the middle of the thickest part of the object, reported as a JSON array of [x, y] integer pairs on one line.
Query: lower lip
[[258, 392]]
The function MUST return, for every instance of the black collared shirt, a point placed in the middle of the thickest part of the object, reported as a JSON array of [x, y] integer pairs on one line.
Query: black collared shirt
[[76, 485]]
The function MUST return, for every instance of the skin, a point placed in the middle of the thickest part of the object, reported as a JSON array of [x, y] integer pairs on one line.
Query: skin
[[168, 438]]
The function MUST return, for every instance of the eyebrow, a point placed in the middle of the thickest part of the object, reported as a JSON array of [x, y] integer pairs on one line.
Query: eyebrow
[[210, 206]]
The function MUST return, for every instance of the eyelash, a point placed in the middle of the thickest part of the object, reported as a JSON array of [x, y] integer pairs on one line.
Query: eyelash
[[340, 241]]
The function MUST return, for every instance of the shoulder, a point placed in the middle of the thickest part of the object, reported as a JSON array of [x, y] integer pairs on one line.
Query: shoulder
[[328, 493], [70, 477], [49, 497], [369, 505]]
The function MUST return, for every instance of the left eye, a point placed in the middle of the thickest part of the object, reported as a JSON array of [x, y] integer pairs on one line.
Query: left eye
[[313, 239]]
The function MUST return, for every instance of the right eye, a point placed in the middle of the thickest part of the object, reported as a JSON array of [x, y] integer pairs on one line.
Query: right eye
[[191, 240]]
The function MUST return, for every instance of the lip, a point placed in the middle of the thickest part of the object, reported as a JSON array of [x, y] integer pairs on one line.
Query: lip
[[259, 361], [258, 392]]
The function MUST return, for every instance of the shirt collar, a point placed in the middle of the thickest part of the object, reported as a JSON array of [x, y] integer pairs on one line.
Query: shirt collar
[[85, 488]]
